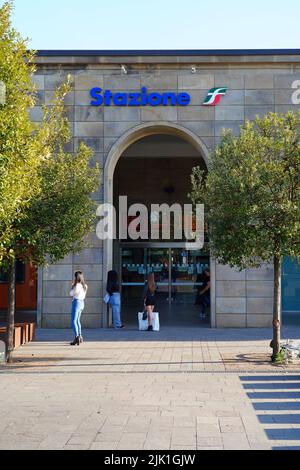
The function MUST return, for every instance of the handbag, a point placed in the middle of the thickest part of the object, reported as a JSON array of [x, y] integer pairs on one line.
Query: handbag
[[143, 324], [106, 298], [145, 316]]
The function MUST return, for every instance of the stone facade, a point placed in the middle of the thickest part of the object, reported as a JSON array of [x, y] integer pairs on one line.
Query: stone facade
[[256, 85]]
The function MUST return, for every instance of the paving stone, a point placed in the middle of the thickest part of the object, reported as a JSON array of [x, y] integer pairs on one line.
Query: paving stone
[[232, 429], [208, 430], [130, 441], [105, 445], [185, 422], [203, 420], [76, 447], [210, 448], [184, 436], [118, 408], [230, 421], [235, 442], [182, 448], [209, 442]]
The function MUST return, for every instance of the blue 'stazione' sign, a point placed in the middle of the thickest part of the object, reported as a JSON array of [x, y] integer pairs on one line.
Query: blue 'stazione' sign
[[109, 98]]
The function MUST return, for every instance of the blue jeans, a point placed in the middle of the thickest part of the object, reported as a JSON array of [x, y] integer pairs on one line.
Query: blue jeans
[[77, 309], [205, 302], [115, 302]]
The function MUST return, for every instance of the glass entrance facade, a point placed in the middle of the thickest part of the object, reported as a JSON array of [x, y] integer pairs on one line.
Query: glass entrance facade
[[291, 291], [178, 276], [156, 170]]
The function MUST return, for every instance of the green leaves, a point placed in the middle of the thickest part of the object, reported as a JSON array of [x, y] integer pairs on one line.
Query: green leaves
[[60, 218], [252, 192], [45, 193], [18, 160]]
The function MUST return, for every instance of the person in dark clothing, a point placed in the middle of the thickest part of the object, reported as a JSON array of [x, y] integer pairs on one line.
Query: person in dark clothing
[[204, 294], [149, 299], [199, 280], [113, 290]]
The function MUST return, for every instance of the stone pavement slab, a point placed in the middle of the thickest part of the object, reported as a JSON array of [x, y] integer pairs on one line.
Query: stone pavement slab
[[180, 389]]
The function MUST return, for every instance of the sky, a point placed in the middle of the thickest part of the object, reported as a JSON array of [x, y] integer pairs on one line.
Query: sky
[[158, 24]]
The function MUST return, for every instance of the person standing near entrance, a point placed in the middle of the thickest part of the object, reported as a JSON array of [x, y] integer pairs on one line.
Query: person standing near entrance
[[199, 279], [149, 299], [78, 292], [204, 294], [113, 291]]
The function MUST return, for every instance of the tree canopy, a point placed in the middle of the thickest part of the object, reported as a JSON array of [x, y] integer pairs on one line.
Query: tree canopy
[[18, 158], [45, 207], [252, 192], [252, 199]]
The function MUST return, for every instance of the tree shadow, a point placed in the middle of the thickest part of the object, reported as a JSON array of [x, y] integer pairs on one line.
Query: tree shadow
[[281, 393]]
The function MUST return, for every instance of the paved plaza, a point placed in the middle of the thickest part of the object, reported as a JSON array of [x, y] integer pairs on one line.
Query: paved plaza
[[180, 389]]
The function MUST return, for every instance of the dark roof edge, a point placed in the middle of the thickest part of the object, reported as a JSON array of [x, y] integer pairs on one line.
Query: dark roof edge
[[171, 53]]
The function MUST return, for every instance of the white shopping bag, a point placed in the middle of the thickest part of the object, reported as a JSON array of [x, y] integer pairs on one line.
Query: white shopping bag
[[143, 324]]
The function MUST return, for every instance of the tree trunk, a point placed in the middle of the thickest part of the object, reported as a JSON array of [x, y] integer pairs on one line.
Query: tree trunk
[[277, 306], [11, 311]]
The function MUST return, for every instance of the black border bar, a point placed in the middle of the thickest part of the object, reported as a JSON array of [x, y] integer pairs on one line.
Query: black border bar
[[167, 52]]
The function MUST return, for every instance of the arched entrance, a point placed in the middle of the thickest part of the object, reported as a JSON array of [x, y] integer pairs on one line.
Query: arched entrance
[[153, 163]]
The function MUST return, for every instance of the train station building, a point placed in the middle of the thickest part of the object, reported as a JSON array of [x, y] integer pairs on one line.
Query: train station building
[[150, 117]]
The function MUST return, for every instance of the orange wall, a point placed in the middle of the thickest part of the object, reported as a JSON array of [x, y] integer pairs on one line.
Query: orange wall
[[26, 293]]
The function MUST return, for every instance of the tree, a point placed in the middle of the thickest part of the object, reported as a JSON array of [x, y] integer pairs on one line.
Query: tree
[[18, 160], [252, 199], [46, 207]]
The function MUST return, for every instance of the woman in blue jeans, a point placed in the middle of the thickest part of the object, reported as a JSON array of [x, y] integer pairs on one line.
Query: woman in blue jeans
[[78, 292], [115, 298]]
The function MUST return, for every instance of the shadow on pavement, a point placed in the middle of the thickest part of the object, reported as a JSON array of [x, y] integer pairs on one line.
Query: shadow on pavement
[[282, 393], [174, 333]]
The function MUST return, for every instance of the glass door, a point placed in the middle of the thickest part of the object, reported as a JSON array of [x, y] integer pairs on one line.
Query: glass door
[[187, 274], [133, 268], [183, 280], [178, 277], [291, 291], [158, 262]]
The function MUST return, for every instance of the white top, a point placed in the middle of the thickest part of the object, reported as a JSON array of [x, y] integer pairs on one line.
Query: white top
[[78, 292]]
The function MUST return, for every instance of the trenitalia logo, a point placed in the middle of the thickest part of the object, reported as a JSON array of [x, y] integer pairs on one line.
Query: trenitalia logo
[[214, 96]]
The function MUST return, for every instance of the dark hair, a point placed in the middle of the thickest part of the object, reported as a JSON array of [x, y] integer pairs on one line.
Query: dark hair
[[112, 282], [79, 279], [151, 283]]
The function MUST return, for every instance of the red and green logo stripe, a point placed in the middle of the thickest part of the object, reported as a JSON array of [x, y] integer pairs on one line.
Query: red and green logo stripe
[[214, 96]]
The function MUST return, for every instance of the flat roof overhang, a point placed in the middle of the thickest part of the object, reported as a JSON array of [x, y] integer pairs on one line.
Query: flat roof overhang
[[192, 56]]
